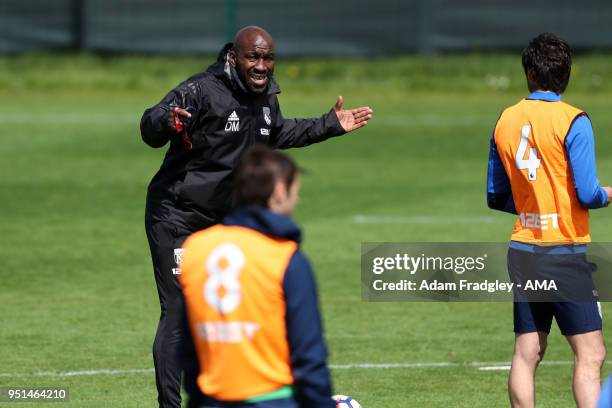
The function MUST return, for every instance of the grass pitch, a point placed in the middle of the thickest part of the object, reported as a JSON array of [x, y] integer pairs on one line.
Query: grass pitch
[[78, 292]]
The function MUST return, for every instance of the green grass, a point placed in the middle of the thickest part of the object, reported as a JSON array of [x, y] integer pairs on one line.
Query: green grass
[[77, 287]]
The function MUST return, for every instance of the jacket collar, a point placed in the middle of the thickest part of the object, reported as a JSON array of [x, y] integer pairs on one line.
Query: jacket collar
[[224, 71], [264, 221], [547, 96]]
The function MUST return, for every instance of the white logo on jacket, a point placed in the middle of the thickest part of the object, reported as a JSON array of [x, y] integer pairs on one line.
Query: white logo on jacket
[[266, 113], [178, 258], [233, 123]]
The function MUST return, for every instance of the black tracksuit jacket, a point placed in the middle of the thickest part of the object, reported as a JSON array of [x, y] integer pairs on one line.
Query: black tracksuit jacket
[[193, 186]]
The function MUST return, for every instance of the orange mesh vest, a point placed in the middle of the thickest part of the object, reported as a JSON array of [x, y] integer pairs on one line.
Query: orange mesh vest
[[530, 139], [232, 279]]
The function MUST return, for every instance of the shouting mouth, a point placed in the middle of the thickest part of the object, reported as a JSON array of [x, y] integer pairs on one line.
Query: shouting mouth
[[258, 80]]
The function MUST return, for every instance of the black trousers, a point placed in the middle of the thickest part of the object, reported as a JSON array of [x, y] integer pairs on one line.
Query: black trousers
[[173, 351]]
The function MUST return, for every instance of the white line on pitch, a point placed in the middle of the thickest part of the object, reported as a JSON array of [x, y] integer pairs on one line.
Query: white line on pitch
[[495, 368], [69, 118], [116, 117], [78, 373], [427, 219], [478, 364], [393, 365], [481, 365], [430, 120]]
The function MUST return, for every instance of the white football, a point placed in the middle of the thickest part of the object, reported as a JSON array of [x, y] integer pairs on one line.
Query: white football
[[342, 401]]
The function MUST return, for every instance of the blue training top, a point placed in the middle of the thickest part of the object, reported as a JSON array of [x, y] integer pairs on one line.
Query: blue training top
[[580, 149]]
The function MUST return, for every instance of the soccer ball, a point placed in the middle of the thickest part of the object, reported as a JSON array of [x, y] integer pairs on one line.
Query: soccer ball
[[342, 401]]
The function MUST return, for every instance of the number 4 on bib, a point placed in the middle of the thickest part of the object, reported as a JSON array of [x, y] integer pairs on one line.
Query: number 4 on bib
[[532, 163]]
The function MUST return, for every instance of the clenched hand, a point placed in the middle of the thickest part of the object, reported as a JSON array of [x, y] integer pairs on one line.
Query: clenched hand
[[177, 119]]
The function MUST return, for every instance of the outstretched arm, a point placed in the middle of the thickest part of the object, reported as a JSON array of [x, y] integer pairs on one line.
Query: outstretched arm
[[303, 132]]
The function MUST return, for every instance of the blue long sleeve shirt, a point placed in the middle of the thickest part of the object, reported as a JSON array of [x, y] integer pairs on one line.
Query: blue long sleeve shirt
[[313, 387], [580, 149]]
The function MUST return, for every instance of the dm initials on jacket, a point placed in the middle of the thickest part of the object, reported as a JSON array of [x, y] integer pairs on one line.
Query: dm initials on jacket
[[530, 139], [232, 279]]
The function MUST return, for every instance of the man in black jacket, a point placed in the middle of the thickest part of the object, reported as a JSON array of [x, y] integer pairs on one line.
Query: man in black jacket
[[210, 120]]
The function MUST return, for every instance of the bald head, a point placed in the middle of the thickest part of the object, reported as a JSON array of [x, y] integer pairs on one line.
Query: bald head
[[250, 35], [253, 57]]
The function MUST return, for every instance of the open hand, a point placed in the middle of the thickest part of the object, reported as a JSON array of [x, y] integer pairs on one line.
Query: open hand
[[352, 119]]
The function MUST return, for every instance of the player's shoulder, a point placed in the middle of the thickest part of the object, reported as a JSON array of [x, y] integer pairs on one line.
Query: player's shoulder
[[198, 237], [509, 112], [516, 107], [525, 105], [299, 260], [201, 80], [192, 85], [571, 109]]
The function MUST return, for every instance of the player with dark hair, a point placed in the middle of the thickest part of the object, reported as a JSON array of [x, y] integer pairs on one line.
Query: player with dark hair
[[542, 168], [547, 62], [209, 120], [251, 298]]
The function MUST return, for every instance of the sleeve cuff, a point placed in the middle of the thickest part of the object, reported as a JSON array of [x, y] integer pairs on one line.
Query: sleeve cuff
[[334, 126], [603, 197]]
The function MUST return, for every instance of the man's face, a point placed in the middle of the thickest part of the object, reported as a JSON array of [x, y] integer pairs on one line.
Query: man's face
[[254, 62]]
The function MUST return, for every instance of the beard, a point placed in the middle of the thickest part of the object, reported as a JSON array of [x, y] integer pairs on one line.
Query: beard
[[249, 78]]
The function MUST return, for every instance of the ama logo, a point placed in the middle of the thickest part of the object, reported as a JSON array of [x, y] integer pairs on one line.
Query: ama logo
[[233, 123]]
